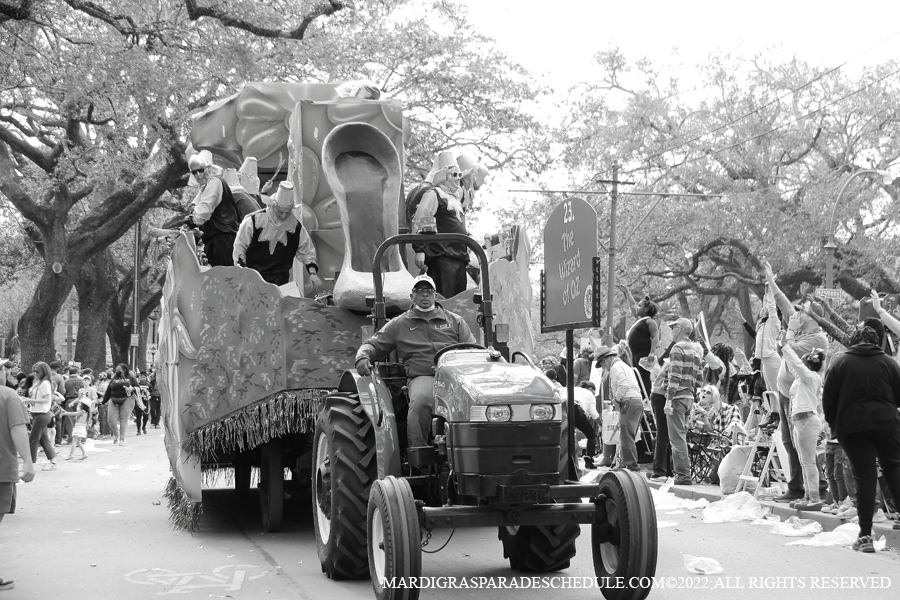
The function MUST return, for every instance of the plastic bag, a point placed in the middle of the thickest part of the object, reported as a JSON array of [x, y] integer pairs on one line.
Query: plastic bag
[[797, 527], [702, 565], [737, 507], [663, 499], [843, 535], [611, 427], [731, 467]]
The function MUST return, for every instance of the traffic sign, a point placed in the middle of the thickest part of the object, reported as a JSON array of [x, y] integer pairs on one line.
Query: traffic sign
[[570, 245]]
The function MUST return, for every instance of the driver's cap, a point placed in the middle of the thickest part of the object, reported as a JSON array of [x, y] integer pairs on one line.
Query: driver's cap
[[423, 281]]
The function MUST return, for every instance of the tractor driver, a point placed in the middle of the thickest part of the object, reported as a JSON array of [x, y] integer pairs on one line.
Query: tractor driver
[[417, 335]]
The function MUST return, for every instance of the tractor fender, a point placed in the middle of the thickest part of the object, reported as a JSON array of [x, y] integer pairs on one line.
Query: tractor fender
[[379, 406]]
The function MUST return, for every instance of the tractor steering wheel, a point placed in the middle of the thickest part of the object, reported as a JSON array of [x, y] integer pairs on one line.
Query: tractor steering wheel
[[461, 346]]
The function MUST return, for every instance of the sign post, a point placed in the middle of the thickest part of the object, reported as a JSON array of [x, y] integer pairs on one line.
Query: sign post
[[568, 287]]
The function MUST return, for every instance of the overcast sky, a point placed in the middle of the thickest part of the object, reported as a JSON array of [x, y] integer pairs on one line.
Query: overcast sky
[[557, 41]]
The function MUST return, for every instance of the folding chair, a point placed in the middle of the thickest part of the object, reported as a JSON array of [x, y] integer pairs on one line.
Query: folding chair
[[706, 451]]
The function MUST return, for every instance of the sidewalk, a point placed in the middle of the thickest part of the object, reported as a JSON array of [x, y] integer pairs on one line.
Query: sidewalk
[[828, 522]]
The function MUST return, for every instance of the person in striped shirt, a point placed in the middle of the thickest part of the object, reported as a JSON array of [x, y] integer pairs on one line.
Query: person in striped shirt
[[684, 377]]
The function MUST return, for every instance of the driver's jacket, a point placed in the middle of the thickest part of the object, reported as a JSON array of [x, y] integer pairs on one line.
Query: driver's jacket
[[417, 338]]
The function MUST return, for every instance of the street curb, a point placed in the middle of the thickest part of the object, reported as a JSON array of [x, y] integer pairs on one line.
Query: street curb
[[828, 522]]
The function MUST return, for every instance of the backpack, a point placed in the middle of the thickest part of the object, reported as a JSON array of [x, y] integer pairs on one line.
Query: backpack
[[413, 198]]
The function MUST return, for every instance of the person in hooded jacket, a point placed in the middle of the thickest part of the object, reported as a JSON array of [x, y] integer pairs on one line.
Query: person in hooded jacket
[[861, 399]]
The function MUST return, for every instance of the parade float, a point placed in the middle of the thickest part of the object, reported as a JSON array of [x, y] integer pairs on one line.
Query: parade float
[[244, 365]]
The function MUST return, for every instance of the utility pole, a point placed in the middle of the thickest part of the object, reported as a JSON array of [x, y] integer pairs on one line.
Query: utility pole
[[611, 276], [136, 320]]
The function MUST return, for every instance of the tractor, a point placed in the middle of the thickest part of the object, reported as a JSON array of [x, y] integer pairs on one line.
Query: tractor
[[500, 457]]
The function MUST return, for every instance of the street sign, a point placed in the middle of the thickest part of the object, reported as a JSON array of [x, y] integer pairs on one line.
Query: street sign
[[830, 293], [135, 339], [570, 245]]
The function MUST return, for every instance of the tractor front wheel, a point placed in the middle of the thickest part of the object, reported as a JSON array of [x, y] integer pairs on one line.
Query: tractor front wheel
[[395, 543], [344, 466], [539, 548], [625, 542]]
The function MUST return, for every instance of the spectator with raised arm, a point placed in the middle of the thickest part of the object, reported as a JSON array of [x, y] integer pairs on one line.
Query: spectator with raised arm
[[803, 336]]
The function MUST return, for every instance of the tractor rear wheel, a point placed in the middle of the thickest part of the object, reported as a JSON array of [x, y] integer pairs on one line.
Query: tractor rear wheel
[[344, 466], [271, 485], [630, 528], [539, 548], [395, 543]]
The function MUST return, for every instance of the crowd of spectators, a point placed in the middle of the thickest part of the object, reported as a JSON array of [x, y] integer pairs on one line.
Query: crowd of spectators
[[837, 408], [67, 405]]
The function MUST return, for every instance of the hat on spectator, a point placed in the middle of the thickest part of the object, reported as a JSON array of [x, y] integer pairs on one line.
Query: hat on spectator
[[682, 323], [604, 352]]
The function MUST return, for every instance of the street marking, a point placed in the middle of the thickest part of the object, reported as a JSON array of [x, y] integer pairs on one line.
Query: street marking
[[184, 583]]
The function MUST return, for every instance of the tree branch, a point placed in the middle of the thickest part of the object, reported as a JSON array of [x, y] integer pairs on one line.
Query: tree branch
[[45, 162], [16, 194], [109, 220], [322, 10]]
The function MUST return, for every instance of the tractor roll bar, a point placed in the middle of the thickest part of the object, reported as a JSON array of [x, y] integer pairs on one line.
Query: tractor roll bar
[[487, 315]]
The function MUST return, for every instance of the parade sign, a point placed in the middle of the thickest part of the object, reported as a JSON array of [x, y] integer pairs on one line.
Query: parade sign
[[570, 245]]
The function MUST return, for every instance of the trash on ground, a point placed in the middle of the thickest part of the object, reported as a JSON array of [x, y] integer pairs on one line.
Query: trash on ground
[[843, 535], [797, 527], [702, 565], [736, 507], [767, 519], [663, 499]]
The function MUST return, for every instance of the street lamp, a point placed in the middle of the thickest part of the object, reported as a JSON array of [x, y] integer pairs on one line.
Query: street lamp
[[830, 246]]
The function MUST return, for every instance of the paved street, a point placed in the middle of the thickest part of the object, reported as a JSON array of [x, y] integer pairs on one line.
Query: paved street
[[98, 529]]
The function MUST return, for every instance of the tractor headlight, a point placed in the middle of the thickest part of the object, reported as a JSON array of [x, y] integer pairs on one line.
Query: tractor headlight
[[498, 412], [541, 412]]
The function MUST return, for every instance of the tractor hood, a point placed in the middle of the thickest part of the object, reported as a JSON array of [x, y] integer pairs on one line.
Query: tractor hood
[[462, 384]]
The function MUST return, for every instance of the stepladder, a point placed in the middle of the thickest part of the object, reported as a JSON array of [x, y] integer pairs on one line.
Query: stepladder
[[767, 463]]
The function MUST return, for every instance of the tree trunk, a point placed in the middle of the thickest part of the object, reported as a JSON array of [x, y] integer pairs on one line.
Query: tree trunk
[[96, 290], [36, 325]]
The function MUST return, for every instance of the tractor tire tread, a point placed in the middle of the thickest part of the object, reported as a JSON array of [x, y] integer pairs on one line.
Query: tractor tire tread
[[352, 440]]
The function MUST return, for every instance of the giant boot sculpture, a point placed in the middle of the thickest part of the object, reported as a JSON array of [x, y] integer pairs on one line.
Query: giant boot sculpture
[[363, 169]]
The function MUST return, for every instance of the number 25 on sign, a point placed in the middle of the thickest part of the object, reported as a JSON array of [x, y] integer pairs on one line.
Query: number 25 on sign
[[568, 213]]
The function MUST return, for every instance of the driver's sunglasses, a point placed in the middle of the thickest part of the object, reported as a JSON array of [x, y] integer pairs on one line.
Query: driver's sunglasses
[[198, 171], [456, 175]]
